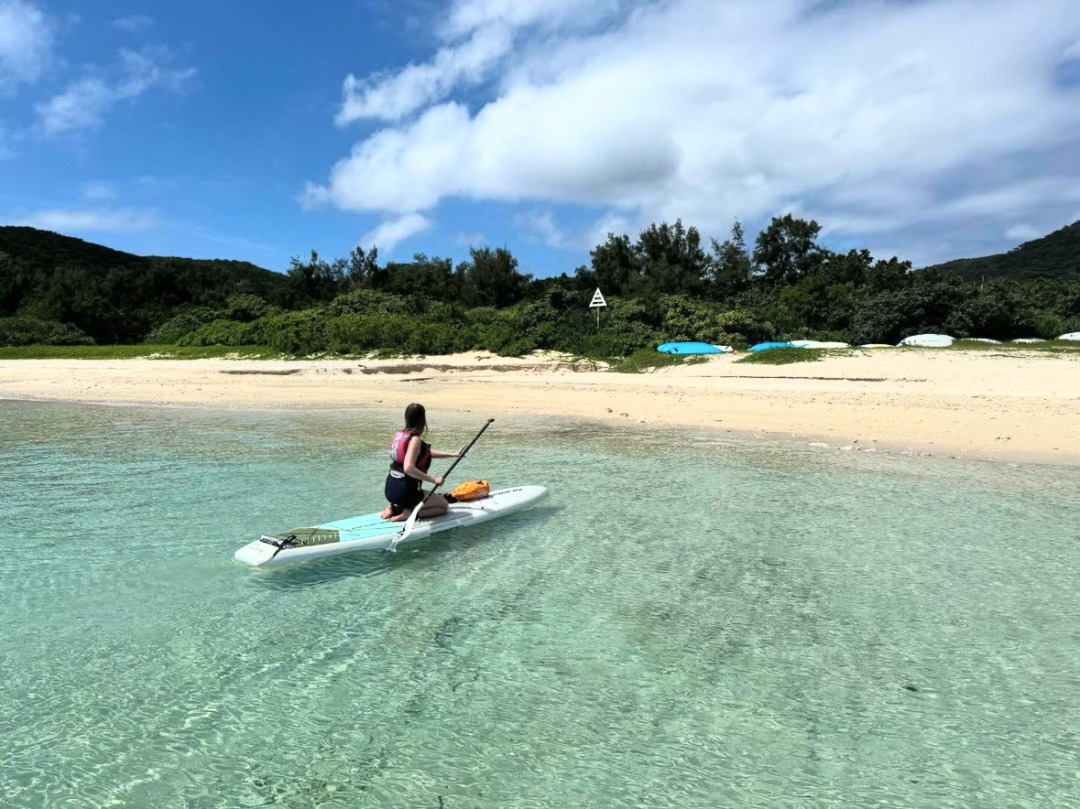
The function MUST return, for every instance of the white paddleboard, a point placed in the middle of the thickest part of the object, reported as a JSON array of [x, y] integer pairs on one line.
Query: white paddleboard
[[819, 344], [928, 340], [370, 532]]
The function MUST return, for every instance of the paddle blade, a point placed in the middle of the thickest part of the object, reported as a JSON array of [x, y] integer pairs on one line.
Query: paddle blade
[[408, 529]]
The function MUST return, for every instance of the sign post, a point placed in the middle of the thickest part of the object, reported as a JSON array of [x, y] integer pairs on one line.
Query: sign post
[[598, 303]]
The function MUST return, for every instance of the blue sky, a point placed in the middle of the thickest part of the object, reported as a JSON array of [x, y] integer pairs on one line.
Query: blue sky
[[928, 129]]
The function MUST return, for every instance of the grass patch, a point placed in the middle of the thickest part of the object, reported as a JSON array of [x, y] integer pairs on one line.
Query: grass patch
[[1058, 347], [978, 345], [784, 356], [41, 352], [1055, 346], [645, 360]]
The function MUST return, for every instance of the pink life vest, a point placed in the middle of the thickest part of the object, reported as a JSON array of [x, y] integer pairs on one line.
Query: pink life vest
[[399, 446]]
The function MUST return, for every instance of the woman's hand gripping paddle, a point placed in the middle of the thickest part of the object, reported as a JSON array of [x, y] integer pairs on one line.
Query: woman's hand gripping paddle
[[411, 522]]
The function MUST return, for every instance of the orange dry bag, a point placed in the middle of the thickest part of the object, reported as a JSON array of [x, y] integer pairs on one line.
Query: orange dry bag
[[470, 490]]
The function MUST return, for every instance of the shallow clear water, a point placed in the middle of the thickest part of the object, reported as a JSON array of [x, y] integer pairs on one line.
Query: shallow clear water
[[686, 622]]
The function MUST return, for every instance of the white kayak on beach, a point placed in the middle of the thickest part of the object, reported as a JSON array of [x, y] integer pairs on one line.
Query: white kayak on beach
[[371, 532], [928, 341]]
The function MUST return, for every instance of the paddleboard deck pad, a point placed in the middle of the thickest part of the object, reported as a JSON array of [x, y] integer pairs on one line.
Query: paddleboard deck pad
[[371, 532]]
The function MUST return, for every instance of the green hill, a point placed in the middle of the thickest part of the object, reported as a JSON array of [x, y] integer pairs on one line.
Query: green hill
[[1054, 256], [112, 296]]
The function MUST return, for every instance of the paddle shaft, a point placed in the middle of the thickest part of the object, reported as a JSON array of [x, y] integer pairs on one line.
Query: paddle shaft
[[457, 460]]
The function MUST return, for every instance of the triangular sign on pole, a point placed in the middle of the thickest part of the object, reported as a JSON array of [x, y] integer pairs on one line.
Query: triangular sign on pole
[[597, 299]]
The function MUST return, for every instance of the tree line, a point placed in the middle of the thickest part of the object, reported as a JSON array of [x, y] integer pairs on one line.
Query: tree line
[[667, 284]]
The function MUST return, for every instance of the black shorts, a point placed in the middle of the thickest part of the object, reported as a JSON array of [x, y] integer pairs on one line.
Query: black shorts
[[403, 493]]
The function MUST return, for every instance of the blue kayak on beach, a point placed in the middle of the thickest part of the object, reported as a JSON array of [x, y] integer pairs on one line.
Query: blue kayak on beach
[[692, 348], [767, 346]]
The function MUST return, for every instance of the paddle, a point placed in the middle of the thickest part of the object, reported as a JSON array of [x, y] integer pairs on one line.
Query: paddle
[[280, 544], [411, 522]]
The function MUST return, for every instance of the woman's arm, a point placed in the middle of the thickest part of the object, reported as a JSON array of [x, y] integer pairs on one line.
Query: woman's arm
[[411, 469], [438, 453]]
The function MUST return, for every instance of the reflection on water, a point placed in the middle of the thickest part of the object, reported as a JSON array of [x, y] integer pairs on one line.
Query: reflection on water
[[688, 621]]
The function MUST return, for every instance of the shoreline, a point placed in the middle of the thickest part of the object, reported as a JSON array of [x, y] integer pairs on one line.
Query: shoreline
[[972, 406]]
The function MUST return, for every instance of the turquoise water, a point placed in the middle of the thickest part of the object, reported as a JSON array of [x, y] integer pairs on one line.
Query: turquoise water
[[685, 622]]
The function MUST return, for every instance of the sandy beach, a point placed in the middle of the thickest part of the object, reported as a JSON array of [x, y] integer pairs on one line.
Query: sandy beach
[[994, 405]]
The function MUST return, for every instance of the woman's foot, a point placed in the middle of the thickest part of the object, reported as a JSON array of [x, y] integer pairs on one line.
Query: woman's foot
[[386, 513]]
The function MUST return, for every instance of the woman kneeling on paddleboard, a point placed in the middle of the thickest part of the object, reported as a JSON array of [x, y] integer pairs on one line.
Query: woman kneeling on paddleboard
[[410, 459]]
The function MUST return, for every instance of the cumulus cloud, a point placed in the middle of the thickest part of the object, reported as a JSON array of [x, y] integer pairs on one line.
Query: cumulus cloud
[[26, 39], [710, 111], [90, 220], [84, 103], [391, 233], [392, 97], [479, 35]]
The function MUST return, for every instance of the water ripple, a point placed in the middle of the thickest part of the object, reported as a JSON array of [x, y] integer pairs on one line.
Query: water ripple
[[734, 624]]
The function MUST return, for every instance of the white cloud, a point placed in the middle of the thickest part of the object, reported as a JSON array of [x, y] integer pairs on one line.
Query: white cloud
[[101, 219], [1023, 232], [601, 228], [391, 98], [479, 35], [98, 190], [470, 239], [1015, 196], [713, 111], [541, 224], [133, 23], [467, 16], [1003, 201], [393, 232], [25, 43], [84, 103], [81, 105]]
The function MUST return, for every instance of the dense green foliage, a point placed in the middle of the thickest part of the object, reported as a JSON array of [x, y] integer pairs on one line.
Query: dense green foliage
[[128, 352], [109, 296], [1054, 256], [665, 285]]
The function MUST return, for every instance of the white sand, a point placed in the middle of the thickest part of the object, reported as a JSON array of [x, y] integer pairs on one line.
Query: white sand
[[1003, 405]]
